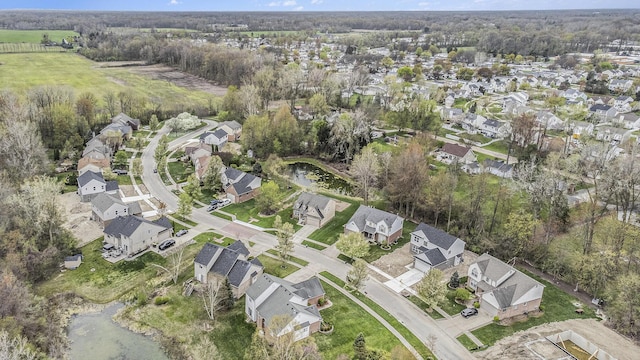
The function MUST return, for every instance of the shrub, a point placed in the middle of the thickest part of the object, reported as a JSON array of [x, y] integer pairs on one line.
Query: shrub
[[161, 300], [462, 294], [476, 304], [496, 318], [322, 301]]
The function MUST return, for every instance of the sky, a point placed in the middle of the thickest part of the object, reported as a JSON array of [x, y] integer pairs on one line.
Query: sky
[[317, 5]]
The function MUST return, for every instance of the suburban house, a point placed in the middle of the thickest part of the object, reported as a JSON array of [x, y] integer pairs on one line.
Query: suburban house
[[124, 130], [90, 184], [314, 209], [132, 234], [620, 85], [233, 130], [454, 153], [602, 112], [216, 139], [498, 168], [270, 297], [106, 207], [434, 248], [196, 151], [215, 263], [628, 120], [503, 291], [200, 166], [125, 120], [612, 134], [495, 129], [238, 185], [453, 115], [623, 103], [574, 95], [72, 262], [376, 225], [472, 122], [90, 164], [96, 149]]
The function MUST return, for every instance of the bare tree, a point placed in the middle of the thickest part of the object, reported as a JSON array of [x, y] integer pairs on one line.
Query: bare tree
[[281, 331], [213, 298], [358, 274], [365, 169], [175, 265], [16, 348], [285, 238], [22, 154]]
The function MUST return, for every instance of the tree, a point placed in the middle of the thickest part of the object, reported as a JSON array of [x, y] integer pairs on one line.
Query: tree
[[211, 177], [212, 294], [463, 294], [454, 282], [207, 350], [153, 123], [267, 199], [161, 150], [284, 345], [121, 160], [175, 265], [183, 122], [136, 166], [353, 245], [193, 187], [431, 289], [465, 74], [284, 234], [15, 348], [406, 73], [518, 232], [22, 153], [360, 347], [365, 169], [358, 274], [259, 347], [185, 204], [623, 305], [439, 194], [407, 180], [319, 105]]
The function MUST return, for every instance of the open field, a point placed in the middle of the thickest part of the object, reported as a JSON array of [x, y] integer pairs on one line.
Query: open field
[[33, 36], [22, 72]]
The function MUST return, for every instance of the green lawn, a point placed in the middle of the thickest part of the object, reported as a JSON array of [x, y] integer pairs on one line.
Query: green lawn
[[498, 146], [33, 36], [247, 212], [313, 245], [186, 221], [124, 180], [557, 305], [21, 72], [475, 137], [466, 342], [292, 258], [62, 177], [421, 304], [274, 266], [107, 281], [450, 306], [412, 339], [221, 215], [328, 234], [178, 170]]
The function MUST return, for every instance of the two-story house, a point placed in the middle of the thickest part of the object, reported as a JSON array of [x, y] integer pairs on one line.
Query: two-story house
[[612, 134], [233, 130], [377, 226], [106, 207], [314, 209], [132, 234], [238, 185], [454, 153], [434, 248], [495, 129], [216, 263], [270, 297], [217, 139], [502, 289], [92, 183], [602, 112]]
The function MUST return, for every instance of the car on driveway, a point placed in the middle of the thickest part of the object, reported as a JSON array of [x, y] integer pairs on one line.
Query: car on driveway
[[212, 207], [182, 232], [215, 202], [224, 202], [469, 312], [166, 244]]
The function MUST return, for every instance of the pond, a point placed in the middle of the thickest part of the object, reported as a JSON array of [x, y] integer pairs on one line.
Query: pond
[[309, 175], [96, 336]]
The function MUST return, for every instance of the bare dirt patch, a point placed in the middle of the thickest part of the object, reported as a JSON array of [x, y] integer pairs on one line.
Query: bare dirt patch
[[163, 72], [341, 205], [514, 347], [395, 263], [79, 221]]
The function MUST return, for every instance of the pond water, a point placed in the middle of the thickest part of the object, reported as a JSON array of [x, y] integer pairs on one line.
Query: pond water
[[309, 175], [96, 336]]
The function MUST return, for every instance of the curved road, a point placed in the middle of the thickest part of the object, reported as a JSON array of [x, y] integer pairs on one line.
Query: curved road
[[420, 324]]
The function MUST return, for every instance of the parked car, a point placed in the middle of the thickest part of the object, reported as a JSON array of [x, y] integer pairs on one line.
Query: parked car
[[182, 232], [120, 172], [166, 244], [469, 312], [224, 202], [212, 207], [215, 201], [155, 171]]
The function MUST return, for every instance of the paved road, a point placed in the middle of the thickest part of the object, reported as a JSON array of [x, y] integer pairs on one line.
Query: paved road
[[421, 325]]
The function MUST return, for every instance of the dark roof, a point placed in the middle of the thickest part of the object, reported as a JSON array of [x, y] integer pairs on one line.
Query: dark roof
[[73, 257], [309, 288], [238, 271], [127, 225], [436, 236], [112, 185], [602, 107], [164, 222], [374, 215], [224, 262], [205, 134], [206, 254], [242, 186], [87, 176], [239, 247], [104, 201], [497, 164], [492, 123], [504, 295], [220, 133], [233, 174], [455, 149], [433, 257]]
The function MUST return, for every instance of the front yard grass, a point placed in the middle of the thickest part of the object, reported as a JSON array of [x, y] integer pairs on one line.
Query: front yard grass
[[100, 281], [247, 212], [466, 342], [450, 306], [184, 220], [124, 180], [421, 304], [313, 245], [498, 146], [291, 258], [408, 335], [376, 252], [179, 171], [328, 234], [274, 266], [557, 306]]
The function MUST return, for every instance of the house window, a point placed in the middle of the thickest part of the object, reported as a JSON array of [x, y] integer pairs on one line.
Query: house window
[[474, 272], [94, 188]]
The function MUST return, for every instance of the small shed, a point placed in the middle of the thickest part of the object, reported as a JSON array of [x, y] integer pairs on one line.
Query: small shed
[[72, 262]]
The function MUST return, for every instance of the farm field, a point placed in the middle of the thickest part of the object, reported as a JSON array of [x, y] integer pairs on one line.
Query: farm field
[[33, 36], [22, 72]]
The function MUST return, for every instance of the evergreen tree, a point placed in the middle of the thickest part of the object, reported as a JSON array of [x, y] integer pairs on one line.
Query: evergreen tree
[[360, 347]]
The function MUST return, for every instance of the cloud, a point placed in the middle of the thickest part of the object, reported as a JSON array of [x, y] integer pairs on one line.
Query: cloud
[[423, 4], [174, 2], [289, 3], [275, 3], [283, 3], [316, 2], [299, 8]]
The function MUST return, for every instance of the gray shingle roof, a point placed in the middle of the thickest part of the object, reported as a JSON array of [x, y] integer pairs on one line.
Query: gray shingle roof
[[238, 271], [433, 257], [224, 262], [87, 176], [455, 149], [243, 186], [206, 253], [307, 200], [127, 225], [309, 288], [435, 235], [232, 174], [104, 201], [112, 186], [228, 262], [134, 208], [374, 215], [232, 124], [220, 133], [239, 247]]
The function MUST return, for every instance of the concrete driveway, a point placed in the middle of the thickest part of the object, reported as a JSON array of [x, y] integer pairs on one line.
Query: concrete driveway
[[457, 325]]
